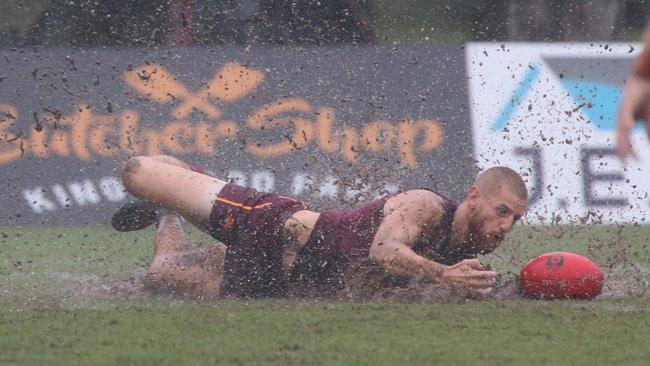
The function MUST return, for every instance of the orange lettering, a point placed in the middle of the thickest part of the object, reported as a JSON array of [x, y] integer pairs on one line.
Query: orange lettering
[[99, 141], [350, 144], [60, 143], [407, 133], [153, 142], [378, 136], [433, 134], [178, 137], [206, 135], [227, 129], [129, 142], [266, 117], [326, 117], [100, 136], [55, 137], [37, 142], [10, 143], [80, 123]]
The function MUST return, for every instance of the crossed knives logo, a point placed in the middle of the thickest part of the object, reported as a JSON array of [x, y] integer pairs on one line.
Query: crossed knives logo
[[231, 82]]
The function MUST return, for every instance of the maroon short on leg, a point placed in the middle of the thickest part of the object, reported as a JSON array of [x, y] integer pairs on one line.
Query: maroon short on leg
[[250, 224]]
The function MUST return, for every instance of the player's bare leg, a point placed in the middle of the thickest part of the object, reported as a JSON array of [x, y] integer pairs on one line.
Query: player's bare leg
[[182, 268], [164, 181], [138, 214], [172, 186]]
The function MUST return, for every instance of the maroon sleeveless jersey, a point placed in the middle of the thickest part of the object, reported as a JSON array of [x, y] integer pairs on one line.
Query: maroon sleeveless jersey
[[341, 236]]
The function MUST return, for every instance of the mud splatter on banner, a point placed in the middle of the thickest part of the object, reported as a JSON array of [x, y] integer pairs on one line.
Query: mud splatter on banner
[[331, 126], [549, 110]]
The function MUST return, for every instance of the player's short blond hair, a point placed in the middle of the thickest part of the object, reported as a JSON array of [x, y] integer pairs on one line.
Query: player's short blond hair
[[493, 179]]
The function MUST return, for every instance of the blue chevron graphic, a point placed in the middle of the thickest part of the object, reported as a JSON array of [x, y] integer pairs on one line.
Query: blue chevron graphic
[[598, 100], [515, 101]]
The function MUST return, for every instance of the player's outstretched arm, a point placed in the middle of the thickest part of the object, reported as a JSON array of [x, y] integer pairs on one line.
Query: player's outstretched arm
[[405, 217]]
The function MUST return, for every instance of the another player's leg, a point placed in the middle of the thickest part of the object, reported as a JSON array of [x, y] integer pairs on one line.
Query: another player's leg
[[182, 268]]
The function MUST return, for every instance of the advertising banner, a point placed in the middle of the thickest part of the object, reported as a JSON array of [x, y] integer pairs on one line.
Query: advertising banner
[[331, 126], [549, 111]]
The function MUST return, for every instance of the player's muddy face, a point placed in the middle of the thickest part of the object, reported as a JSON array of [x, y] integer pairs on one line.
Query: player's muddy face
[[494, 218]]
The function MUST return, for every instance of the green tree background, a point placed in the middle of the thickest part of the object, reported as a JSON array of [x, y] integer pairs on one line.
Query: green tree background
[[141, 23]]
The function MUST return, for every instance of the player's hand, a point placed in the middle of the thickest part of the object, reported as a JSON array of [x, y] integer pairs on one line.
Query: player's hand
[[470, 275]]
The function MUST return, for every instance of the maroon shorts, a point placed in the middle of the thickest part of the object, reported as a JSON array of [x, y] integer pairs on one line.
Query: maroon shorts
[[250, 224]]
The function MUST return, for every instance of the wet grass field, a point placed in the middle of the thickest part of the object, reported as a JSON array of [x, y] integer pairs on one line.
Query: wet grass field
[[73, 296], [290, 333]]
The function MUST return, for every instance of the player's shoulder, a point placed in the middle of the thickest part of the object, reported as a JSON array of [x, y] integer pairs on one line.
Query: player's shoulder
[[423, 195], [421, 200]]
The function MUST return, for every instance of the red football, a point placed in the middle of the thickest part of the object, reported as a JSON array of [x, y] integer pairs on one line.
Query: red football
[[561, 275]]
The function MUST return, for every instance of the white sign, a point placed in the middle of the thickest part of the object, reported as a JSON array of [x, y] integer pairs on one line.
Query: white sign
[[548, 111]]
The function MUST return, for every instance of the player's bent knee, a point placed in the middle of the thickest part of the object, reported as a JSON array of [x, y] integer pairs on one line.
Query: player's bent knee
[[131, 169]]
